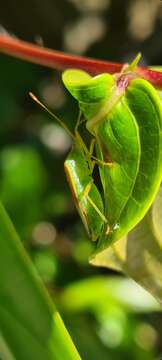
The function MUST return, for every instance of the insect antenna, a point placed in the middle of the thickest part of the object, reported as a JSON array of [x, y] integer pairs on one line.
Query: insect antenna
[[61, 122]]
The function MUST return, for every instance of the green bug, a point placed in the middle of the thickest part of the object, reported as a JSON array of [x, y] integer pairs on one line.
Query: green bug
[[125, 119]]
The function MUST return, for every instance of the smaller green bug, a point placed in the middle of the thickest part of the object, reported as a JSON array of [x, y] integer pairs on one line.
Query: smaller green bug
[[79, 167], [86, 196]]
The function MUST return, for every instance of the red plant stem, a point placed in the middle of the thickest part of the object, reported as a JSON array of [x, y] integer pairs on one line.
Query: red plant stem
[[61, 61]]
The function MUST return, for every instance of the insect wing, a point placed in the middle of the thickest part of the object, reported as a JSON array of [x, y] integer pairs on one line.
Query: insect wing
[[88, 202]]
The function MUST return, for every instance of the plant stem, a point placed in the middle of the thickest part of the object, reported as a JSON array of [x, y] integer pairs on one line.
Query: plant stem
[[53, 59], [61, 61]]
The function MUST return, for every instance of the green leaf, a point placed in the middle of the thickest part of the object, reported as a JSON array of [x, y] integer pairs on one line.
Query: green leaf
[[85, 88], [29, 322], [127, 126], [98, 293], [132, 137]]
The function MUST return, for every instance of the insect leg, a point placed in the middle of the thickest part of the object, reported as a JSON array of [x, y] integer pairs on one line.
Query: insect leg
[[86, 194]]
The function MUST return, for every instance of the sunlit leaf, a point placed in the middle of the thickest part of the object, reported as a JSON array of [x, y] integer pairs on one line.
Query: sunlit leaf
[[139, 255], [100, 292]]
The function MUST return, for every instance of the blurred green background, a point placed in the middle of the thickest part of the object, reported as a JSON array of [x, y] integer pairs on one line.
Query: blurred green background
[[108, 316]]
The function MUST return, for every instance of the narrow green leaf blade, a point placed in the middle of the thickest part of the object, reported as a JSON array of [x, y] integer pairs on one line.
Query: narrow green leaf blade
[[29, 322]]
